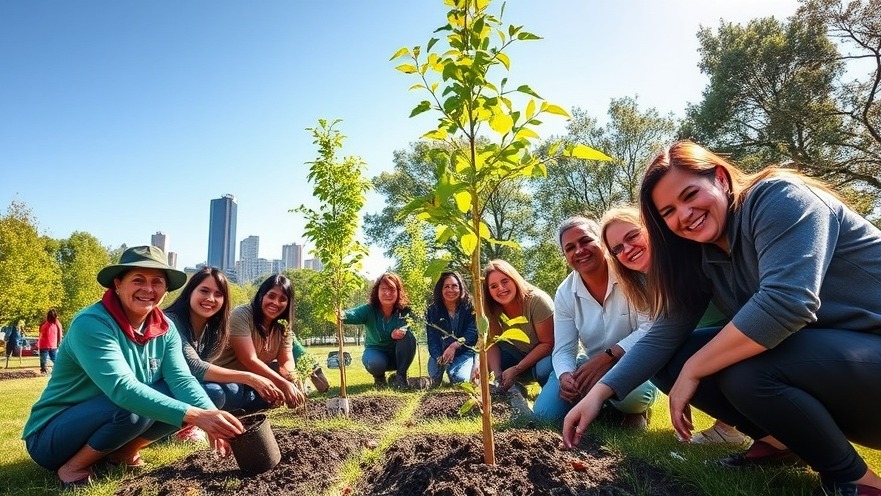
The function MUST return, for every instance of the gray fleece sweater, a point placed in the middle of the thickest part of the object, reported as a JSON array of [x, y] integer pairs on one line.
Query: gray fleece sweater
[[799, 258]]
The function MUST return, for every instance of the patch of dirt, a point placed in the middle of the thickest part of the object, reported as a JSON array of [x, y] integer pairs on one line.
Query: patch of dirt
[[8, 374], [310, 464], [446, 405], [367, 409], [527, 463]]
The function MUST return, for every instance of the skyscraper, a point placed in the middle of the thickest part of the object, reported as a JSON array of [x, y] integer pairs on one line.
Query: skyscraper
[[222, 234], [292, 256], [159, 241]]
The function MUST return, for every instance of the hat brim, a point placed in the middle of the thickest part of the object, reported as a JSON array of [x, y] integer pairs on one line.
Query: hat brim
[[175, 278]]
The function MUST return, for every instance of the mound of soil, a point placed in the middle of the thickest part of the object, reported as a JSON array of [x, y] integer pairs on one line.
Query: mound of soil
[[310, 464], [527, 463], [6, 374], [366, 409], [446, 405]]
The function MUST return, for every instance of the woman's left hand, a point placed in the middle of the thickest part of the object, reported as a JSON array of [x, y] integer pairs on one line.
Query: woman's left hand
[[398, 333], [680, 411]]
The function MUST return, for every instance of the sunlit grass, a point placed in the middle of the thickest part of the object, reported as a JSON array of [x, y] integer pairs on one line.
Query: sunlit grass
[[691, 465]]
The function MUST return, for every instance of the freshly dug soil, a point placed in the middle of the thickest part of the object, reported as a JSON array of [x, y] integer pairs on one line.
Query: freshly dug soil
[[310, 464], [6, 374], [446, 405], [527, 463], [370, 410]]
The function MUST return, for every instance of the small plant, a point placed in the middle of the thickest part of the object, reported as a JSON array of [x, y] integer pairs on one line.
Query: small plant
[[485, 140], [340, 186]]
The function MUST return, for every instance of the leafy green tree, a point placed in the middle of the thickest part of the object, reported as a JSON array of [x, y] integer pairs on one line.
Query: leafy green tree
[[776, 96], [413, 267], [469, 169], [30, 279], [340, 187], [80, 257]]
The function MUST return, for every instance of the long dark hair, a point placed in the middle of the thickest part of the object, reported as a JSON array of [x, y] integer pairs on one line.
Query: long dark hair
[[464, 295], [217, 328], [284, 284], [51, 316], [403, 301]]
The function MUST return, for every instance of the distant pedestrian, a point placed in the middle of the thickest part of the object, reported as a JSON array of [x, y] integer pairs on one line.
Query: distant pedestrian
[[49, 340], [13, 334]]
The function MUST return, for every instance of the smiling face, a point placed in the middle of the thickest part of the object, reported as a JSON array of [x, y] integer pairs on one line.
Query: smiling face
[[581, 250], [274, 303], [140, 291], [388, 294], [628, 244], [501, 288], [207, 299], [694, 206], [451, 291]]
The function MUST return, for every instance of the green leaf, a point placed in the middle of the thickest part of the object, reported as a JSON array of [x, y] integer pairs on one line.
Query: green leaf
[[401, 51], [430, 44], [585, 152], [435, 267], [468, 242], [504, 59], [467, 387], [530, 109], [501, 123], [517, 320], [463, 201], [423, 106], [406, 68], [468, 406], [526, 133], [526, 89], [513, 335], [555, 109]]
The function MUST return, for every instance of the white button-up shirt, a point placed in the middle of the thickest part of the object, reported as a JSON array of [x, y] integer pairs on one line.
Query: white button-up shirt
[[579, 317]]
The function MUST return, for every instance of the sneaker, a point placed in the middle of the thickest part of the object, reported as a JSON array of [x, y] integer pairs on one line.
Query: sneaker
[[192, 434], [400, 382], [718, 435]]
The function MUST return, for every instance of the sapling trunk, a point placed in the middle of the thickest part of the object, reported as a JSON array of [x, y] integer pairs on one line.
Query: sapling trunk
[[342, 356], [489, 445]]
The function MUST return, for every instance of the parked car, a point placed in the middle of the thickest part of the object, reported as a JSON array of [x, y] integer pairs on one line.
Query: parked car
[[29, 347]]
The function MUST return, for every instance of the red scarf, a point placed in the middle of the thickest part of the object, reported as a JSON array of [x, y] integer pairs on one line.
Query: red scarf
[[154, 326]]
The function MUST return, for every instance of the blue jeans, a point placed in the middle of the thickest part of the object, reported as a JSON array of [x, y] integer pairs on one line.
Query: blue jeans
[[550, 407], [398, 357], [233, 396], [459, 370], [47, 353], [540, 372], [99, 423]]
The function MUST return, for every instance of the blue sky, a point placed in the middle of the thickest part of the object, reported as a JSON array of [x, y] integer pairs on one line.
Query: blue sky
[[126, 118]]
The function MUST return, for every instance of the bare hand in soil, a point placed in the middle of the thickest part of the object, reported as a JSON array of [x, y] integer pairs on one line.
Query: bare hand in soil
[[292, 395], [592, 371], [680, 413], [266, 389], [581, 415], [509, 376], [216, 423]]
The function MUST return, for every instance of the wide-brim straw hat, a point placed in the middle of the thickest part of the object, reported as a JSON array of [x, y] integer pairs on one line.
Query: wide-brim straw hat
[[148, 257]]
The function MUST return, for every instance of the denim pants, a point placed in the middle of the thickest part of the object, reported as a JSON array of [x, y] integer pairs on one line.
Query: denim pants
[[98, 423], [550, 407], [47, 354], [814, 392], [540, 372], [459, 370], [398, 357]]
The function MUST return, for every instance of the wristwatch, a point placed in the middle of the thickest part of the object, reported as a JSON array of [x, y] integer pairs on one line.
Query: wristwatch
[[612, 354]]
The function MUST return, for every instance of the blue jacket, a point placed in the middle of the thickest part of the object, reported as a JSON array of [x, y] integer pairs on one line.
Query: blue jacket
[[466, 328]]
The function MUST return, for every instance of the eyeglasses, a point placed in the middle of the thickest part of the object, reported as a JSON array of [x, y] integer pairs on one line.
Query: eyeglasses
[[451, 286], [629, 239]]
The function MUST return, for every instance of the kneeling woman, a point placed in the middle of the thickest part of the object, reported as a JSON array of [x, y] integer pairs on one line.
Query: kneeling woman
[[120, 381], [259, 343], [388, 343], [449, 318], [506, 292], [201, 315]]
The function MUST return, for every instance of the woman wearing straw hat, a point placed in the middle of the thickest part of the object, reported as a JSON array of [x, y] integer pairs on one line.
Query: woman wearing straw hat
[[120, 381]]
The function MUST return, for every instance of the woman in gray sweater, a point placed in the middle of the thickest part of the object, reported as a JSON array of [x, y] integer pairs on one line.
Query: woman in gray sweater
[[798, 273]]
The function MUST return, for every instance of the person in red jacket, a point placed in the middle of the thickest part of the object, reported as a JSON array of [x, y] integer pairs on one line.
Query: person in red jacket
[[49, 340]]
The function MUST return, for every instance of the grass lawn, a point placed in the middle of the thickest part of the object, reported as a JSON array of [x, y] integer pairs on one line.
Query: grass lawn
[[658, 446]]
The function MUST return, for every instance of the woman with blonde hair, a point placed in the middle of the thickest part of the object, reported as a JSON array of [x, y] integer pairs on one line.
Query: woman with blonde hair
[[506, 295], [626, 243], [781, 254]]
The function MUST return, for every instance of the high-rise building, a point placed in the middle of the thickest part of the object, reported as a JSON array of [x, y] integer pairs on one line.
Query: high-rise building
[[172, 259], [292, 256], [249, 248], [222, 233], [159, 241], [314, 264]]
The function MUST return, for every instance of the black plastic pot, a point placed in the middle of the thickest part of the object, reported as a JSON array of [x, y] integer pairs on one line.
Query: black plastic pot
[[255, 450]]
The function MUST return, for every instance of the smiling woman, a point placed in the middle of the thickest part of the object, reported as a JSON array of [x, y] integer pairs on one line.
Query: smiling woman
[[120, 381]]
